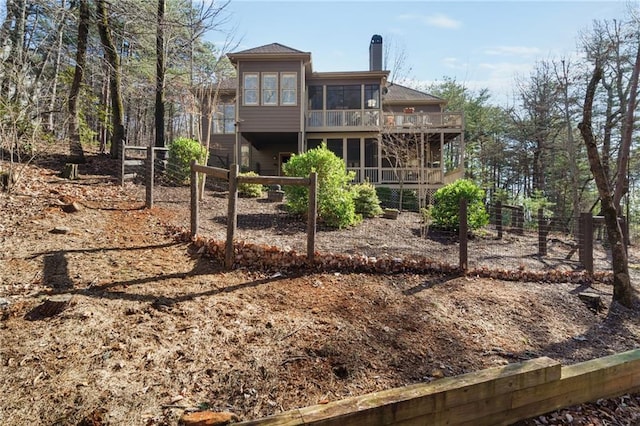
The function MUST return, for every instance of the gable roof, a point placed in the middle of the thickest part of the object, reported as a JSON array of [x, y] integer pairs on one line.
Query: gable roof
[[272, 51], [399, 94], [273, 48]]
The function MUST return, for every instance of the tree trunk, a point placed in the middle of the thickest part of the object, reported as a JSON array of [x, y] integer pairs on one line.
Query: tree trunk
[[75, 145], [117, 109], [160, 68], [622, 182], [16, 18], [622, 290], [56, 69]]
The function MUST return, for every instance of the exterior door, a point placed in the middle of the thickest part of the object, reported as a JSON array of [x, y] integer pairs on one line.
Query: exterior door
[[283, 157]]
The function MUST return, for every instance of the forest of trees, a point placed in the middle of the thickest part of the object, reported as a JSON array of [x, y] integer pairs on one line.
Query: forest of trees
[[98, 72]]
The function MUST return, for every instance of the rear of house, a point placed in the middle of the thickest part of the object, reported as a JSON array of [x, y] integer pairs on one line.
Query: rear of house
[[388, 134]]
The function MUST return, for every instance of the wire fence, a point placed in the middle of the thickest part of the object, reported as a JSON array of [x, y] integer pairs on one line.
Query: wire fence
[[514, 240]]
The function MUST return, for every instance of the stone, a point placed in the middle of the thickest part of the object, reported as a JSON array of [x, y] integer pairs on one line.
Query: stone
[[60, 230], [208, 418], [72, 207]]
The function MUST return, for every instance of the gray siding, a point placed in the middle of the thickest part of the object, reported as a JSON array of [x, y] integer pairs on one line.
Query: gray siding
[[221, 145], [270, 118], [319, 81]]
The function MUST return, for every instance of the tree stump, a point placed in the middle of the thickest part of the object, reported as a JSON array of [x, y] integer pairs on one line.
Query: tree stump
[[70, 171], [6, 180], [593, 301]]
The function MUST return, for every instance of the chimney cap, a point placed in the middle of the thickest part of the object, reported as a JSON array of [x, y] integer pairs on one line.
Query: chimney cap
[[376, 39]]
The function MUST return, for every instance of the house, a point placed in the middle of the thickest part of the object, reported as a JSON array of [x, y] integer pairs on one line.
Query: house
[[386, 133]]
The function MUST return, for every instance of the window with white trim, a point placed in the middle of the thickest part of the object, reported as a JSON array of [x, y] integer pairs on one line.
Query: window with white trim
[[288, 88], [250, 88], [224, 119], [269, 88]]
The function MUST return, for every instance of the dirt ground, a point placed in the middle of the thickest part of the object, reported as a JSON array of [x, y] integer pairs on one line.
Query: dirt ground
[[151, 329]]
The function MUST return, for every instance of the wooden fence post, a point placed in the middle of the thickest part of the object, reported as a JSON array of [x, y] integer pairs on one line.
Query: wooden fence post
[[587, 241], [232, 215], [311, 220], [194, 199], [150, 177], [499, 219], [542, 233], [464, 258], [122, 158], [520, 218]]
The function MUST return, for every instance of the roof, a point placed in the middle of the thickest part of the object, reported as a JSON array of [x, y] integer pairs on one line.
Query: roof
[[273, 48], [398, 93]]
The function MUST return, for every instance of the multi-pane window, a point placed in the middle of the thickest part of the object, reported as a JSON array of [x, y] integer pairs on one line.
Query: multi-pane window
[[372, 96], [250, 89], [344, 97], [224, 119], [288, 86], [269, 88], [315, 97]]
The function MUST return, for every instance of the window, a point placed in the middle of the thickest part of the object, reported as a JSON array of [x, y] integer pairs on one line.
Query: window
[[372, 96], [224, 118], [344, 97], [335, 146], [288, 86], [315, 98], [250, 89], [269, 89], [244, 155]]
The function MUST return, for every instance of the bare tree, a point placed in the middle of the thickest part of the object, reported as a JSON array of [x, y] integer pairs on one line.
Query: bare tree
[[160, 70], [111, 53], [75, 145], [622, 289]]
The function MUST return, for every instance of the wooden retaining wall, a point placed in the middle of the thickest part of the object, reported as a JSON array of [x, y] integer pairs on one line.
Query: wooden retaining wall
[[496, 396]]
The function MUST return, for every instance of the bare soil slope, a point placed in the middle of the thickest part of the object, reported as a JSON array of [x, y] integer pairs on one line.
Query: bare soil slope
[[149, 329]]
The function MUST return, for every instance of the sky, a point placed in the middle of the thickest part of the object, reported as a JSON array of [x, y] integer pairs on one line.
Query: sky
[[481, 44]]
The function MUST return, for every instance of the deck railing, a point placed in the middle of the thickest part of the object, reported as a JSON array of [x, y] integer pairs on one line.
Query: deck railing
[[435, 120], [391, 121], [343, 118], [390, 175]]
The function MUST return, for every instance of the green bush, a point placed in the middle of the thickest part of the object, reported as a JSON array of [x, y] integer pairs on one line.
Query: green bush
[[251, 190], [366, 200], [336, 207], [181, 152], [447, 205]]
